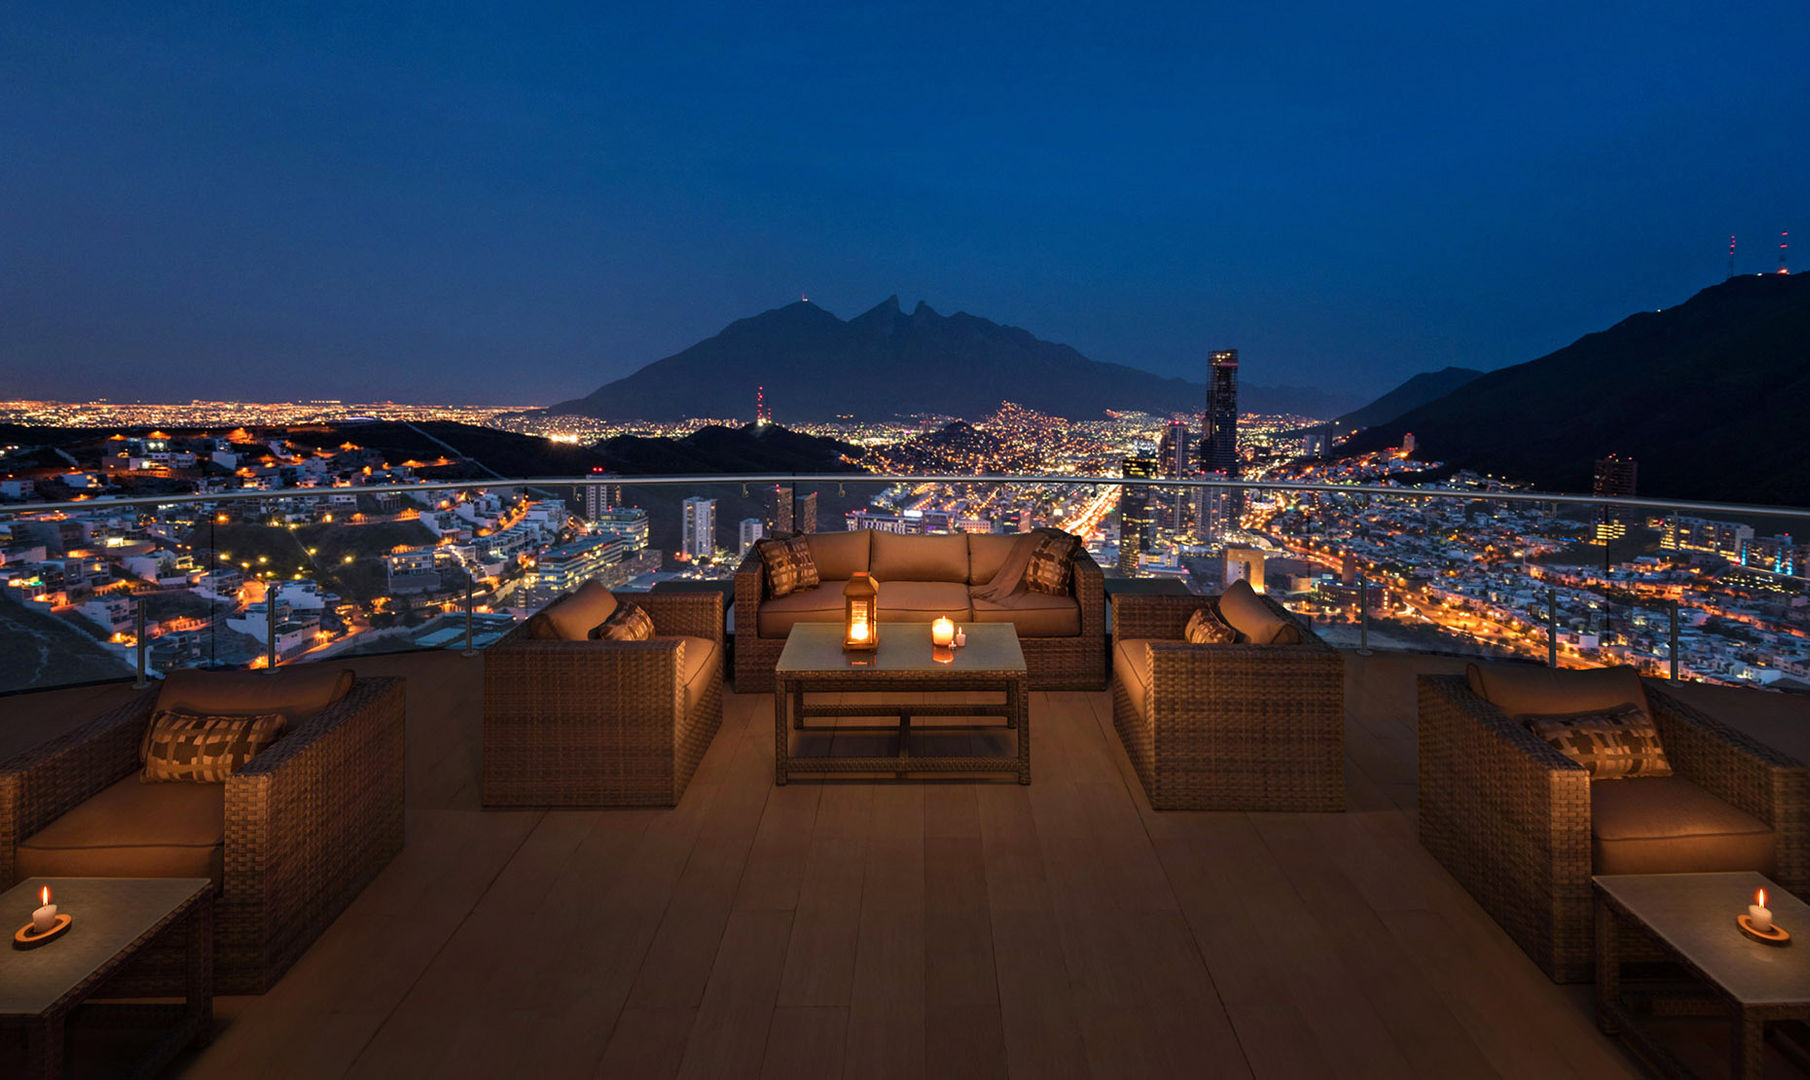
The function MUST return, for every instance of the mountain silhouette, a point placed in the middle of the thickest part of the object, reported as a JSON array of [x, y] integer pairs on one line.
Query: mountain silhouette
[[1707, 396], [1417, 391], [888, 362]]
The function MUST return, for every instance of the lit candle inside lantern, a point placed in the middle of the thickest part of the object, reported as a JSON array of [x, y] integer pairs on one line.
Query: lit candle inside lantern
[[45, 917], [1758, 915], [858, 631], [942, 632]]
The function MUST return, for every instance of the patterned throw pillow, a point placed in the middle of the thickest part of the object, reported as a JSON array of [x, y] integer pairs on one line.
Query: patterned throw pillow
[[629, 622], [789, 566], [1052, 564], [1610, 744], [203, 749], [1207, 627]]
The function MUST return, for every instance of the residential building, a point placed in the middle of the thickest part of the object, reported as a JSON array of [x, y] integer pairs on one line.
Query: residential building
[[698, 542]]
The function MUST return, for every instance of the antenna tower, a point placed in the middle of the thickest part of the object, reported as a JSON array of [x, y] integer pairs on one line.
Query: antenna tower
[[1731, 256], [761, 413], [1784, 239]]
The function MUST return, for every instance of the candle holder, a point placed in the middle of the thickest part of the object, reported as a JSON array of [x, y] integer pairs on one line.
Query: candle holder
[[1773, 935], [23, 938]]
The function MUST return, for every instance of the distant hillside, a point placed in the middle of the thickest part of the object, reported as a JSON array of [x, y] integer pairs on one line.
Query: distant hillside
[[1707, 396], [752, 448], [886, 363], [1417, 391]]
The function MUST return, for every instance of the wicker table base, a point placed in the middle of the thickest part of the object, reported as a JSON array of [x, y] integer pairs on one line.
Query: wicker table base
[[813, 664]]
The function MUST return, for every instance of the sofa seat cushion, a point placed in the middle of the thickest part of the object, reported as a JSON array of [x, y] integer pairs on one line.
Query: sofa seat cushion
[[1035, 614], [822, 604], [571, 618], [295, 692], [897, 557], [922, 601], [701, 655], [1129, 660], [838, 555], [1668, 825], [134, 829]]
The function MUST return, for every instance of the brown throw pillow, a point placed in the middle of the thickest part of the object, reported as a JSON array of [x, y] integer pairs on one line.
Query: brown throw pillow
[[629, 622], [181, 746], [1207, 627], [789, 566], [1611, 744], [1052, 564]]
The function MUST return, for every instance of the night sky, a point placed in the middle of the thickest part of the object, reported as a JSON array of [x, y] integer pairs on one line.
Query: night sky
[[440, 202]]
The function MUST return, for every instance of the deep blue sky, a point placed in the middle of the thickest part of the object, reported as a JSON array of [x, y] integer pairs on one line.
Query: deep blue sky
[[439, 201]]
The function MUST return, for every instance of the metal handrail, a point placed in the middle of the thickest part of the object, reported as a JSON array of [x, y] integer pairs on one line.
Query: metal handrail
[[1384, 490]]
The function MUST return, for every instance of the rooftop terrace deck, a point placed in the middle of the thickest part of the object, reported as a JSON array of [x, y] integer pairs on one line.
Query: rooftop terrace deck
[[923, 929]]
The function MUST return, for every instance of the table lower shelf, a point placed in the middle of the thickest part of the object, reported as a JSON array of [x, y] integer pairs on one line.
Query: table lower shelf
[[791, 713]]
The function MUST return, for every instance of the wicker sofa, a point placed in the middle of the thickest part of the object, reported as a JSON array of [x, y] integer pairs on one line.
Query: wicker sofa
[[1245, 726], [1522, 827], [574, 722], [921, 578], [290, 839]]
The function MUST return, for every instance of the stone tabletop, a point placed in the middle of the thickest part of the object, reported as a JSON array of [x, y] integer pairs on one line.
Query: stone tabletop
[[1695, 915], [110, 915], [817, 647]]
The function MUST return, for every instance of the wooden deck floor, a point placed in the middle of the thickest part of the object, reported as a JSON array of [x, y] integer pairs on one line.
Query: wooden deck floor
[[915, 930]]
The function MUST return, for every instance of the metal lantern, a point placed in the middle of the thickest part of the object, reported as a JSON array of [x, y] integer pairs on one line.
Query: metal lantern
[[861, 613]]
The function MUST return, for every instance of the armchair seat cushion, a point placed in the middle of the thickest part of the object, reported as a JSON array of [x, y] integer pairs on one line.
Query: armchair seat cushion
[[701, 655], [1668, 825], [1035, 614], [822, 604], [1128, 668], [922, 601], [132, 829]]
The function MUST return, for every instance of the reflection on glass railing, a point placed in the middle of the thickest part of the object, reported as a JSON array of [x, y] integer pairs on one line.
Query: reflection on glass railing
[[302, 574]]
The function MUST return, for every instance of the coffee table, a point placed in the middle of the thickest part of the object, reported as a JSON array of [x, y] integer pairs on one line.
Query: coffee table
[[813, 663], [1692, 916], [114, 918]]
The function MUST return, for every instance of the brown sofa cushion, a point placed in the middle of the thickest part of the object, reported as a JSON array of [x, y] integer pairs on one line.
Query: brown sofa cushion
[[839, 555], [1544, 691], [1052, 565], [1668, 825], [1128, 667], [134, 830], [776, 618], [1611, 744], [987, 552], [922, 601], [918, 558], [629, 622], [295, 692], [1035, 614], [571, 619], [1207, 627], [701, 654], [789, 565], [185, 747], [1240, 606]]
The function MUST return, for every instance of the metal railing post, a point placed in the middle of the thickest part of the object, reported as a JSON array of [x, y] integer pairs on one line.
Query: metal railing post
[[469, 651], [139, 637], [1674, 646], [1363, 616], [270, 627], [1552, 626]]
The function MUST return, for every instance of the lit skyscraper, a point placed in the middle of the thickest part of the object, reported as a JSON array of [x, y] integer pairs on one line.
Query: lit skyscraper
[[1614, 476], [752, 530], [1219, 425], [1174, 458], [1137, 523], [699, 539]]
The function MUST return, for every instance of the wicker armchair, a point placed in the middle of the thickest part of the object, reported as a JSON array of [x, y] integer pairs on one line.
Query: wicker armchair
[[1051, 663], [603, 723], [1226, 727], [1510, 816], [309, 822]]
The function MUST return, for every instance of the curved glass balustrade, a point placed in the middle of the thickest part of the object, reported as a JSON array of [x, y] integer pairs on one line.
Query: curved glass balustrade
[[90, 589]]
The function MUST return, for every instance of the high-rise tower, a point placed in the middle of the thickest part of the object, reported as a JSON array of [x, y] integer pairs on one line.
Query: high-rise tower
[[1219, 425], [1137, 522], [1615, 475]]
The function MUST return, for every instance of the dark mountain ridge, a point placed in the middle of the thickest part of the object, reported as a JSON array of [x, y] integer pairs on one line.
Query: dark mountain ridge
[[886, 362], [1707, 396], [1417, 391]]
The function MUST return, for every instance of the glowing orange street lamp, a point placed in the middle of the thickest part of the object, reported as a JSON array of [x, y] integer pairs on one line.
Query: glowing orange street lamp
[[861, 613]]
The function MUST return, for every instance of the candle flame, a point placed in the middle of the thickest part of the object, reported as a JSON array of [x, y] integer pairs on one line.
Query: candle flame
[[1760, 897], [44, 896]]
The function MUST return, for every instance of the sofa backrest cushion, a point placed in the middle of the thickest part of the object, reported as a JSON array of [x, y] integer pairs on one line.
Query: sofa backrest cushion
[[839, 555], [918, 558], [293, 692], [1240, 606], [987, 552], [1519, 689], [572, 618]]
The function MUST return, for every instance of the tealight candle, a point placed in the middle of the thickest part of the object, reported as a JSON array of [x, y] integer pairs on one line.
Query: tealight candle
[[1758, 914], [961, 637], [45, 917], [942, 632]]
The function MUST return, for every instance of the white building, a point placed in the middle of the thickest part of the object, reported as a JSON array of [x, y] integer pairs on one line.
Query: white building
[[752, 530], [699, 540]]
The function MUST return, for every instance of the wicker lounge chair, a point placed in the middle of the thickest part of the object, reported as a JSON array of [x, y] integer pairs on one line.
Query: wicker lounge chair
[[604, 723], [308, 823], [1226, 727], [1512, 818]]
